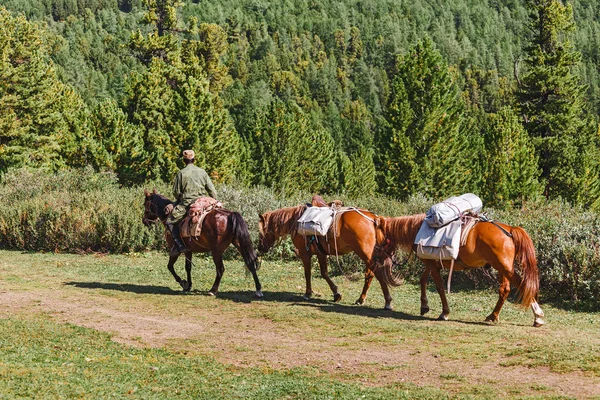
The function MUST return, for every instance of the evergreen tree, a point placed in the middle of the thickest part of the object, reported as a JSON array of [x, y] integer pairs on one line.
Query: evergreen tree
[[512, 167], [425, 147], [291, 154], [551, 100], [42, 121], [173, 104]]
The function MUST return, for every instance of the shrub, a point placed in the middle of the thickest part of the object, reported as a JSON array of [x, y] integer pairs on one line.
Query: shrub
[[81, 210]]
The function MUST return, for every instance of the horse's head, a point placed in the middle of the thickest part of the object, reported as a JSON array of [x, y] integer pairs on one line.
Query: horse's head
[[266, 235], [152, 210]]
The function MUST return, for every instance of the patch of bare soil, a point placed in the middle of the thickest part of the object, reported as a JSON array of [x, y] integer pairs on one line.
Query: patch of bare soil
[[246, 342]]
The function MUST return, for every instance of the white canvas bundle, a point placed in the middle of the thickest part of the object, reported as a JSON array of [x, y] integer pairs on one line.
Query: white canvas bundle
[[315, 221], [438, 244], [451, 209]]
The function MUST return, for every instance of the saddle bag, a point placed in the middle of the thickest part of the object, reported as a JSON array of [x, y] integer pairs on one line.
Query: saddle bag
[[438, 244], [315, 221]]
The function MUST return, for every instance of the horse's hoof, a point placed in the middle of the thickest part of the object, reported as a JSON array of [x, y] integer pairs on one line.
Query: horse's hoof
[[492, 319], [388, 308], [185, 285], [424, 310], [538, 322], [258, 294], [442, 317], [337, 297], [359, 302], [211, 293]]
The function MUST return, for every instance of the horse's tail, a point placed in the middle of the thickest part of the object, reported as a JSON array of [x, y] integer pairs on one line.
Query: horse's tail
[[525, 256], [241, 237], [383, 255]]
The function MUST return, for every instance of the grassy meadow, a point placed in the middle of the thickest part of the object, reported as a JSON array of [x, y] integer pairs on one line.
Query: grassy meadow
[[104, 326]]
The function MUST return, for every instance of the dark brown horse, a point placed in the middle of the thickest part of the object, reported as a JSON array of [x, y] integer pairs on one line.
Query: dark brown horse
[[496, 244], [220, 228], [360, 231]]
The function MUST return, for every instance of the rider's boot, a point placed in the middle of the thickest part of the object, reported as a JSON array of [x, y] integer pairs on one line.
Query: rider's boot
[[179, 245]]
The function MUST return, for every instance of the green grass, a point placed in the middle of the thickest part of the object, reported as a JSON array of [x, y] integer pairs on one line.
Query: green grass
[[43, 358]]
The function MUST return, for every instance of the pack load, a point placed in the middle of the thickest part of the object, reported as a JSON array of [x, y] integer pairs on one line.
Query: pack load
[[315, 221], [449, 210], [438, 243]]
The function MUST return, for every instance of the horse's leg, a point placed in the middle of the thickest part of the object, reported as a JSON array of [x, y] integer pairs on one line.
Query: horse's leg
[[325, 274], [305, 257], [503, 294], [187, 285], [423, 281], [538, 314], [386, 291], [171, 267], [368, 279], [218, 260], [439, 285]]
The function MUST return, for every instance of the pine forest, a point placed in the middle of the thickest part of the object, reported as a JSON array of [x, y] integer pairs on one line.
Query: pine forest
[[353, 97]]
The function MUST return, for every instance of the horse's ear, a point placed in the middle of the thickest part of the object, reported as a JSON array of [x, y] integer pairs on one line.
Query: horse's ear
[[154, 191], [261, 218], [146, 193]]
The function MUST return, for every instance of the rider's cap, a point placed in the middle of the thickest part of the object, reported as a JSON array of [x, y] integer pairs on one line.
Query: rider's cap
[[188, 154]]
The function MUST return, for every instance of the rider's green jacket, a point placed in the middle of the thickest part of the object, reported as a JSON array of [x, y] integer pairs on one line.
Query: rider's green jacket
[[190, 183]]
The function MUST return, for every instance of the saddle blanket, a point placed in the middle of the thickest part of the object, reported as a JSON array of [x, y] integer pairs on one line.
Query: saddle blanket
[[191, 226], [438, 244], [315, 221], [452, 209]]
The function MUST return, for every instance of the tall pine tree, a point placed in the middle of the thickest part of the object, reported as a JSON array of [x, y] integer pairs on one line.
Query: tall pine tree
[[426, 147], [551, 100], [512, 172]]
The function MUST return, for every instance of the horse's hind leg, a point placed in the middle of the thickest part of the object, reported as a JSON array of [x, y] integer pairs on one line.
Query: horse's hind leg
[[171, 267], [188, 270], [423, 281], [538, 314], [439, 285], [503, 294], [218, 260], [325, 274]]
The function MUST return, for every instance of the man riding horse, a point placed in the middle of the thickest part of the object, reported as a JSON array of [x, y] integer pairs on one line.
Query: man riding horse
[[190, 183]]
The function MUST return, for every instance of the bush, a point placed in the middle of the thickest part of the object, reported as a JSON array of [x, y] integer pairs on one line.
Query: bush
[[81, 210]]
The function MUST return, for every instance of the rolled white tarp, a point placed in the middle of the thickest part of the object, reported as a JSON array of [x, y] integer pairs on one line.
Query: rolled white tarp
[[451, 209]]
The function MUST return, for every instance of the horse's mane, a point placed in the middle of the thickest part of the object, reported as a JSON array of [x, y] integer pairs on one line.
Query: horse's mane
[[283, 221], [401, 231]]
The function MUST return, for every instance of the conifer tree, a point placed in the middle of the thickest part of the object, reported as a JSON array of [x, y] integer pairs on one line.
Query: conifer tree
[[42, 120], [551, 100], [512, 167], [173, 103], [291, 154], [425, 147]]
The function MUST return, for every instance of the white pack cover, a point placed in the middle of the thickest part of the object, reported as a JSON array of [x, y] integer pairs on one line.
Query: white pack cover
[[451, 209], [315, 221], [438, 244]]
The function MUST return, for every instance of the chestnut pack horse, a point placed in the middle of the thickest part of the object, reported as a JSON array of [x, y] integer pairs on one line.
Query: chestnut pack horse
[[360, 231], [493, 243], [220, 228]]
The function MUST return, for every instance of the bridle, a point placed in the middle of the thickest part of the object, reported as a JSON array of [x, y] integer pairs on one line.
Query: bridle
[[150, 209]]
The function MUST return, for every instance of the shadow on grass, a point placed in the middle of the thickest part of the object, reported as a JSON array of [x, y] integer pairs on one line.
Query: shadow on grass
[[289, 298], [127, 287]]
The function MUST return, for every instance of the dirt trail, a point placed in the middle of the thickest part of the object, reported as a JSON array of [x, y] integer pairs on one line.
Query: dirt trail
[[257, 342]]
